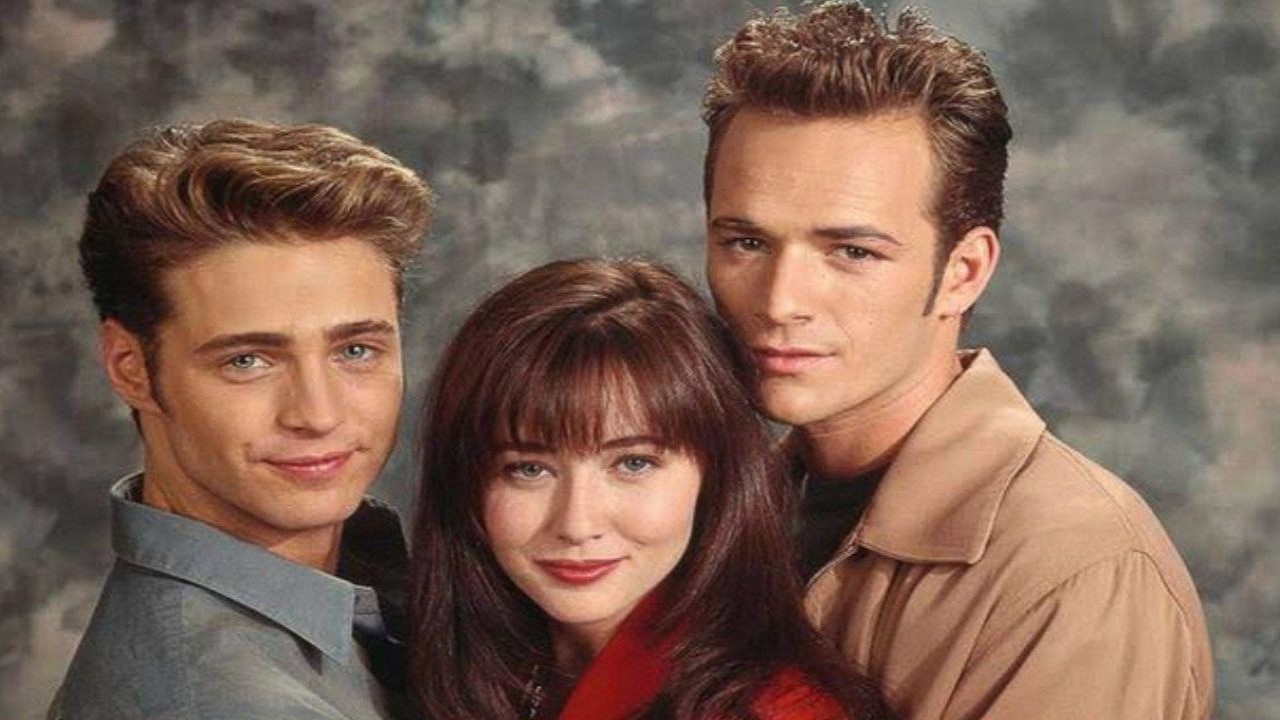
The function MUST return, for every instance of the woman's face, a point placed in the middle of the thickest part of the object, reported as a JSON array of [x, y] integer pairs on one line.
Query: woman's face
[[587, 535]]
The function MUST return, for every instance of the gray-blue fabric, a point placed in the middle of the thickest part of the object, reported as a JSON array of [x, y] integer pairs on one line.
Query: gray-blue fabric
[[195, 624]]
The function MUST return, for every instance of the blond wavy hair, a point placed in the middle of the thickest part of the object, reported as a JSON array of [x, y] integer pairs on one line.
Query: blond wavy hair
[[185, 190]]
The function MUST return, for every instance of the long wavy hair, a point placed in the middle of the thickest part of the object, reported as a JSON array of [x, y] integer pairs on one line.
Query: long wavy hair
[[543, 360]]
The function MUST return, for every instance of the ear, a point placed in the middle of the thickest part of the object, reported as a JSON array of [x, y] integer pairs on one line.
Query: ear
[[123, 359], [969, 268]]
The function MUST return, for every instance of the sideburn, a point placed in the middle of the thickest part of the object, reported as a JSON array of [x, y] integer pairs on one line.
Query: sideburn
[[941, 254], [151, 362]]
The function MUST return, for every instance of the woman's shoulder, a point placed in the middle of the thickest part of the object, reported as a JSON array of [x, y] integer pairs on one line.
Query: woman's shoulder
[[791, 695]]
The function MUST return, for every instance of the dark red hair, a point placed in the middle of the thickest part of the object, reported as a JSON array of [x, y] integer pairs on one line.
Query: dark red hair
[[544, 359]]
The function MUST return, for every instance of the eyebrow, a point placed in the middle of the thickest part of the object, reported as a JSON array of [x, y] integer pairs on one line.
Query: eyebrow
[[839, 232], [856, 232], [337, 333], [735, 223], [346, 331]]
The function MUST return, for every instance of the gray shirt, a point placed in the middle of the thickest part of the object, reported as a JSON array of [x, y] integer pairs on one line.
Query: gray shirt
[[195, 624]]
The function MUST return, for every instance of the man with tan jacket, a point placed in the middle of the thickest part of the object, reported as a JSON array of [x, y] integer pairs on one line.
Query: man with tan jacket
[[960, 554]]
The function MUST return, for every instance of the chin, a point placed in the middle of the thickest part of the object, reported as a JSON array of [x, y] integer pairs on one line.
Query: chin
[[312, 513], [567, 614], [785, 408]]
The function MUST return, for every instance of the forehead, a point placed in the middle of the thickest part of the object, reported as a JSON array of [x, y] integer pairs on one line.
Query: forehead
[[822, 168], [280, 287]]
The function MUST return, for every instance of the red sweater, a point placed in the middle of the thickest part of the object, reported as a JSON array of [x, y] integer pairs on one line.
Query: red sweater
[[632, 669]]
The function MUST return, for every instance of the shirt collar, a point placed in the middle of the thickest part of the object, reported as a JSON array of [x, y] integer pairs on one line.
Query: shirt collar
[[938, 500], [317, 607]]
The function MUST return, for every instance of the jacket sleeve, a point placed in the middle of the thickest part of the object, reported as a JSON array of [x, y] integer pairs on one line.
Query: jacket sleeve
[[1109, 642]]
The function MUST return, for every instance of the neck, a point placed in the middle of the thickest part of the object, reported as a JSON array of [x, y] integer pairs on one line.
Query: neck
[[165, 487], [868, 436], [575, 647]]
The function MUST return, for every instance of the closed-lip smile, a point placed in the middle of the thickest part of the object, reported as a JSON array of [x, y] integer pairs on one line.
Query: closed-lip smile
[[786, 360], [579, 572], [311, 467]]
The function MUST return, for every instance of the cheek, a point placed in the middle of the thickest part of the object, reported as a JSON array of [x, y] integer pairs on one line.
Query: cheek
[[661, 518], [511, 520], [376, 397], [726, 283], [214, 415], [910, 282], [205, 406]]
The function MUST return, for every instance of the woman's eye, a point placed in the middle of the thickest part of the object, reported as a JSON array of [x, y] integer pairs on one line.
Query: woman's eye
[[636, 464], [526, 470]]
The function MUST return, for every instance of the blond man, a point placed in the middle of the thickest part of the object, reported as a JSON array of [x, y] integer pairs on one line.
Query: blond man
[[248, 276]]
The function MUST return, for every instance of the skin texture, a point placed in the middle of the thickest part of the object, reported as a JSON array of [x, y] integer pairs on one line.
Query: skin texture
[[274, 435], [820, 254], [632, 499]]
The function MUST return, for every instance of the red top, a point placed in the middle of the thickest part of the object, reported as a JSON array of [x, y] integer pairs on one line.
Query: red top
[[632, 668]]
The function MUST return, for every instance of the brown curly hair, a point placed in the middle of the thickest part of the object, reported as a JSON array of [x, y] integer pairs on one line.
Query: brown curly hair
[[838, 59]]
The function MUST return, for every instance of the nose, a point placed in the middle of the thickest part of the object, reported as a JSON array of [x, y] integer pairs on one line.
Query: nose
[[783, 299], [579, 514], [312, 404]]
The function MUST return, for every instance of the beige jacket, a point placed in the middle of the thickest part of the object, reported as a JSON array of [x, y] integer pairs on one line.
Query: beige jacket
[[997, 573]]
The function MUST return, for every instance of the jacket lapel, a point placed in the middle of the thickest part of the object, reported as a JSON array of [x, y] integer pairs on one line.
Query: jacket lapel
[[627, 674]]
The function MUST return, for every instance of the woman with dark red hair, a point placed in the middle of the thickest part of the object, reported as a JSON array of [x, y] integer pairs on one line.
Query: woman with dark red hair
[[601, 531]]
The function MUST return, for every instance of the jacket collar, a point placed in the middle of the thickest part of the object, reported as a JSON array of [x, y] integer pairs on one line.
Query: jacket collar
[[317, 607], [938, 500]]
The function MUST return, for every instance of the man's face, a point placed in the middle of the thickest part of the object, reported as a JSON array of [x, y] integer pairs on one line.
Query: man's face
[[280, 381], [821, 256]]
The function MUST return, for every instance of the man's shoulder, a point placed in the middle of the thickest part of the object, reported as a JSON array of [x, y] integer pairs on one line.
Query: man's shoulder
[[1060, 494], [127, 663], [143, 607], [155, 643], [1064, 514]]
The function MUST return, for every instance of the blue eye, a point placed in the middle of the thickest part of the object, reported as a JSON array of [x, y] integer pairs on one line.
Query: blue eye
[[636, 464], [526, 470], [357, 351]]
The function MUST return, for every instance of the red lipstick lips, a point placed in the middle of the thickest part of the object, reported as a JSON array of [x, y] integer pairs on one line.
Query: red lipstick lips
[[786, 361], [578, 572], [311, 468]]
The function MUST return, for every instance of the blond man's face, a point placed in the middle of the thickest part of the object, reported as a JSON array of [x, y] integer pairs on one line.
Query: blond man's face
[[280, 373]]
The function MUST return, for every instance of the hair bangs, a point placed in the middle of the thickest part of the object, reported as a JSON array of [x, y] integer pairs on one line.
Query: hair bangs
[[577, 388]]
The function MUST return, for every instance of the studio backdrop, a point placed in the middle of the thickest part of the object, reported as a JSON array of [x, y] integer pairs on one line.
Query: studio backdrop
[[1137, 302]]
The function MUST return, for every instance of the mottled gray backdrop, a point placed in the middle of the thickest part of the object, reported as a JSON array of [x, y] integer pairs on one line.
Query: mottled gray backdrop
[[1137, 301]]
